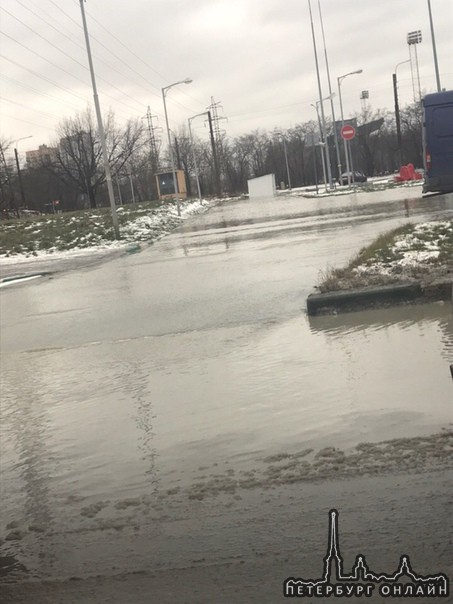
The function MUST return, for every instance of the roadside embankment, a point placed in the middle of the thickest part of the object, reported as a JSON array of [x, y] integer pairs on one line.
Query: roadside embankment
[[50, 243], [410, 264]]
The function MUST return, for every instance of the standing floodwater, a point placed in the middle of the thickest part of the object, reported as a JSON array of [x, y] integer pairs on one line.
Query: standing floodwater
[[137, 389]]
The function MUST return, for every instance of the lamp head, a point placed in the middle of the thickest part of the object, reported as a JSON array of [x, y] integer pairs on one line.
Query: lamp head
[[187, 81]]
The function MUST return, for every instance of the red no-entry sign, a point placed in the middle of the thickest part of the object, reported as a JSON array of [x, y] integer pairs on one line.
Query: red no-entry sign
[[347, 132]]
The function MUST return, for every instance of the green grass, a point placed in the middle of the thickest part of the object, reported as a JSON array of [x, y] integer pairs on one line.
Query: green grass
[[66, 231], [383, 251]]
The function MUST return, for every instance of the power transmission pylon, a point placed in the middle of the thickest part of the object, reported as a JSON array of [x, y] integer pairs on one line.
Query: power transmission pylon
[[217, 139], [152, 137]]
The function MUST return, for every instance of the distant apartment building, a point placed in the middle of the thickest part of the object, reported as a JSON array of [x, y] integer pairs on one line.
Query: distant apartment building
[[76, 147], [43, 156]]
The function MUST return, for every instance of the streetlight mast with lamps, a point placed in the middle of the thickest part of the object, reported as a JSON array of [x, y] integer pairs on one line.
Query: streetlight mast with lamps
[[414, 38], [339, 81], [165, 90]]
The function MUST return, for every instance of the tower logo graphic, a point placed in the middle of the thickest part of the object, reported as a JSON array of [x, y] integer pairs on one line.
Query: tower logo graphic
[[362, 582]]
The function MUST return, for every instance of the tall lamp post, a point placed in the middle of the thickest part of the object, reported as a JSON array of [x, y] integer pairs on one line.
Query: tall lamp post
[[323, 117], [16, 155], [285, 151], [286, 161], [194, 156], [322, 142], [105, 157], [364, 96], [414, 38], [436, 65], [339, 81], [165, 90], [397, 110], [331, 94]]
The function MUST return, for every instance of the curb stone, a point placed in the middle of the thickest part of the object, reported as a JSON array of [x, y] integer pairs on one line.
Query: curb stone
[[385, 295]]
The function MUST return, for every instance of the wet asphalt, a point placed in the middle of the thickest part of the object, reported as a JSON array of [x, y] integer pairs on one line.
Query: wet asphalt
[[174, 427]]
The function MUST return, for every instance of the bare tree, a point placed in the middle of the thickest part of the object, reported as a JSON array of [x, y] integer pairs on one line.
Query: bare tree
[[372, 127], [412, 127], [7, 198], [79, 157]]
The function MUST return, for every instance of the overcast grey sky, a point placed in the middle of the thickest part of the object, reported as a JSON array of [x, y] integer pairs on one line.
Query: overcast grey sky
[[253, 56]]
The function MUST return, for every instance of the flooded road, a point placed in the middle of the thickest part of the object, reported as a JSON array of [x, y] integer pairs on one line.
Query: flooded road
[[153, 403]]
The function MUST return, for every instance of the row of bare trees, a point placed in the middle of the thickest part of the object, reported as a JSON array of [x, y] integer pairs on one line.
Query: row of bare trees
[[73, 171]]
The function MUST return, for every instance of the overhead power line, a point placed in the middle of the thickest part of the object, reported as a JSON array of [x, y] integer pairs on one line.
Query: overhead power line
[[35, 90], [164, 78], [98, 59], [14, 117], [67, 55], [43, 38], [147, 65], [43, 78], [46, 113], [43, 58], [86, 100]]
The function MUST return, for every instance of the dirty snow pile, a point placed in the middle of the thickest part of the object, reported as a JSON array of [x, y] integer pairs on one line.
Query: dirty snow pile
[[87, 234], [421, 249]]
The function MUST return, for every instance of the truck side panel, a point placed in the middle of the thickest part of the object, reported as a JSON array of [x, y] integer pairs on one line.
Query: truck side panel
[[438, 141]]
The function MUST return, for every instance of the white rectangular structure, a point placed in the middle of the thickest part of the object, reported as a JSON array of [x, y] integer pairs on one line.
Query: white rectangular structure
[[263, 186]]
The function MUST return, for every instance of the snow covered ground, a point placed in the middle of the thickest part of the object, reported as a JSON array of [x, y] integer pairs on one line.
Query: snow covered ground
[[376, 183], [424, 247], [149, 227]]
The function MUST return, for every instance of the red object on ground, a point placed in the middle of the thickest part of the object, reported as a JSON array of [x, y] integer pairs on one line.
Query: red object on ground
[[408, 173]]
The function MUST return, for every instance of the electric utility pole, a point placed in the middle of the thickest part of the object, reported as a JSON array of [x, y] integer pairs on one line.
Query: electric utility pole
[[108, 175], [214, 156]]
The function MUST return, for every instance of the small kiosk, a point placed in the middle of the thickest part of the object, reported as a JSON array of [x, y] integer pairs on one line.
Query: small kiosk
[[165, 185]]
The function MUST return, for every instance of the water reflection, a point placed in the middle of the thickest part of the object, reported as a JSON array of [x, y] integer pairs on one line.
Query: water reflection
[[380, 318], [396, 202], [134, 377], [285, 218], [128, 384], [25, 429]]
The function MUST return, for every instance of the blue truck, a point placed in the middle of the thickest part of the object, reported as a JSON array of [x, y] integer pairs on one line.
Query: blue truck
[[438, 142]]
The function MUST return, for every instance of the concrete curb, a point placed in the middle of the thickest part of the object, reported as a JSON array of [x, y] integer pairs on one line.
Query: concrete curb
[[374, 297]]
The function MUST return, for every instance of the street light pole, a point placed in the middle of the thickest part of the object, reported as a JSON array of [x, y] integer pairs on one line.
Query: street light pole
[[339, 80], [165, 89], [331, 95], [197, 176], [414, 38], [108, 174], [19, 174], [323, 118], [397, 110], [436, 65], [285, 151], [287, 164], [321, 143]]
